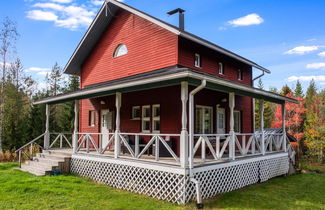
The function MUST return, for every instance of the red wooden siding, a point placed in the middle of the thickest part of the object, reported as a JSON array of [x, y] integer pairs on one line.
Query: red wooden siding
[[210, 61], [149, 46]]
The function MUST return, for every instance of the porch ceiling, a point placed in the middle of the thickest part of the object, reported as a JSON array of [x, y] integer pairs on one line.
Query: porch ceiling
[[165, 77]]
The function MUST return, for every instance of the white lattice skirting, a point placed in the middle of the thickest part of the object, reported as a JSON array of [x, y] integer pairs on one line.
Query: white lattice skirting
[[172, 184]]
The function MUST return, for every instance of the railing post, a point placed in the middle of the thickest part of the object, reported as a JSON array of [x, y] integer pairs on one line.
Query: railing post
[[75, 128], [47, 128], [19, 158], [284, 143], [184, 132], [136, 145], [31, 151], [231, 126], [157, 149], [117, 148], [203, 150], [262, 126]]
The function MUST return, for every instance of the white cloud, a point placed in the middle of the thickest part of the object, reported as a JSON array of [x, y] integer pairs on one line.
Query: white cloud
[[66, 16], [49, 6], [300, 50], [41, 15], [62, 1], [250, 19], [319, 78], [42, 73], [36, 69], [315, 66], [97, 2], [322, 54]]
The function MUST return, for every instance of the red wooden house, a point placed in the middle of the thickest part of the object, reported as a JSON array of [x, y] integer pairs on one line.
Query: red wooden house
[[163, 112]]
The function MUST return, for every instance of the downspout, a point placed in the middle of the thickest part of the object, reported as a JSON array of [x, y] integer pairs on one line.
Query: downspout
[[191, 142], [259, 76]]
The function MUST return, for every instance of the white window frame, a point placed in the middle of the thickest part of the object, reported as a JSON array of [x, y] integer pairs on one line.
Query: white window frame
[[224, 119], [133, 117], [240, 74], [155, 118], [197, 60], [145, 118], [239, 121], [202, 126], [118, 52], [92, 118], [221, 68]]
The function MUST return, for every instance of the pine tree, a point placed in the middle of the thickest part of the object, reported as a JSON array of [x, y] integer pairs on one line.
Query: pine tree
[[298, 90], [285, 90], [311, 92]]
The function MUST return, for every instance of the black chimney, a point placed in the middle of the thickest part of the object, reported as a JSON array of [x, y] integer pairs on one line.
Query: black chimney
[[181, 17]]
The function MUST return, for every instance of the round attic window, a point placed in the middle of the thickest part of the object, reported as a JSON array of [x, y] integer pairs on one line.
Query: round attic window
[[120, 50]]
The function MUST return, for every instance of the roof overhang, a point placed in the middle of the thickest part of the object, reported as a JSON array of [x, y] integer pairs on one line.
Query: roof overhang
[[107, 13], [168, 77]]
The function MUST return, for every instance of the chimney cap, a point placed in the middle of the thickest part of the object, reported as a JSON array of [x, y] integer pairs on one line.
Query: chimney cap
[[175, 11]]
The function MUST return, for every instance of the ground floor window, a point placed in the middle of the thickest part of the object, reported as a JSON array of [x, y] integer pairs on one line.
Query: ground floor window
[[92, 118], [156, 118], [146, 118], [237, 121], [203, 119]]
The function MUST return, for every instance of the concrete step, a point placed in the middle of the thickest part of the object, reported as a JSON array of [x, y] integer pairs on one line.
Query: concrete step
[[51, 165], [36, 170], [65, 153], [56, 157]]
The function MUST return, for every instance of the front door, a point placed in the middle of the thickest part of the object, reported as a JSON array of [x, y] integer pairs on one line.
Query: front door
[[221, 120], [106, 119]]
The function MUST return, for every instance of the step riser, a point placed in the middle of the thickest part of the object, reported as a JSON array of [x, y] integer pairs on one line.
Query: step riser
[[46, 162]]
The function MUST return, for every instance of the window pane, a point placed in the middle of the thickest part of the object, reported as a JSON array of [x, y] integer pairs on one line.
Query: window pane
[[198, 120], [156, 111], [146, 125], [135, 112], [156, 125], [221, 120], [120, 50], [207, 120], [146, 112], [237, 122]]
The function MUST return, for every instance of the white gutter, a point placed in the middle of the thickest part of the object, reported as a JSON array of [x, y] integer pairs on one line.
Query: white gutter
[[191, 122]]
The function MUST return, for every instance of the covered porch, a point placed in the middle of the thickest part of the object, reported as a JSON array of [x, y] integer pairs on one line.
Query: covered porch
[[178, 117]]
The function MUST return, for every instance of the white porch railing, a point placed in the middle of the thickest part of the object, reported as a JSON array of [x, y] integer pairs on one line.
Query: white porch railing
[[216, 147], [140, 146]]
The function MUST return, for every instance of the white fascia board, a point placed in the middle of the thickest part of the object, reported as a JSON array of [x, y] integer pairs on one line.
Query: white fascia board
[[114, 87], [84, 37], [130, 162], [145, 16], [239, 87]]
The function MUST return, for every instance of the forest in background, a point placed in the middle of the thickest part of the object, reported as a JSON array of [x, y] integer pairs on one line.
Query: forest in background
[[21, 121]]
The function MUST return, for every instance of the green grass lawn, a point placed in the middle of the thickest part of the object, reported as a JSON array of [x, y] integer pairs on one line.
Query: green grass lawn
[[20, 190]]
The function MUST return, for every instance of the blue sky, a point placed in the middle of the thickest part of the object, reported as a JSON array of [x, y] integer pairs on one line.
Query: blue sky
[[287, 37]]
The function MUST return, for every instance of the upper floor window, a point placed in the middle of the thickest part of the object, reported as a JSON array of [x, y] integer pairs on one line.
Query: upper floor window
[[240, 74], [197, 62], [120, 50], [221, 68]]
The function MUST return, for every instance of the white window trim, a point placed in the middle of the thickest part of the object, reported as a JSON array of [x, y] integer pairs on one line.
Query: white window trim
[[240, 74], [222, 72], [155, 118], [217, 120], [239, 118], [207, 107], [143, 119], [199, 63], [132, 114], [92, 118]]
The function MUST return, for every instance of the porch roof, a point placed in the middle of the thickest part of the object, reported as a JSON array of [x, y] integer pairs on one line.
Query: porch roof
[[165, 77]]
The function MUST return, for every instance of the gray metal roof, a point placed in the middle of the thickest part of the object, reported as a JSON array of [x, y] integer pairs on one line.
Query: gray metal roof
[[172, 75], [102, 21]]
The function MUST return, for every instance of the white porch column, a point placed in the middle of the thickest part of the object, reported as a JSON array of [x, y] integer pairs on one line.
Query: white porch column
[[231, 126], [284, 144], [184, 132], [262, 126], [76, 126], [118, 98], [47, 128]]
